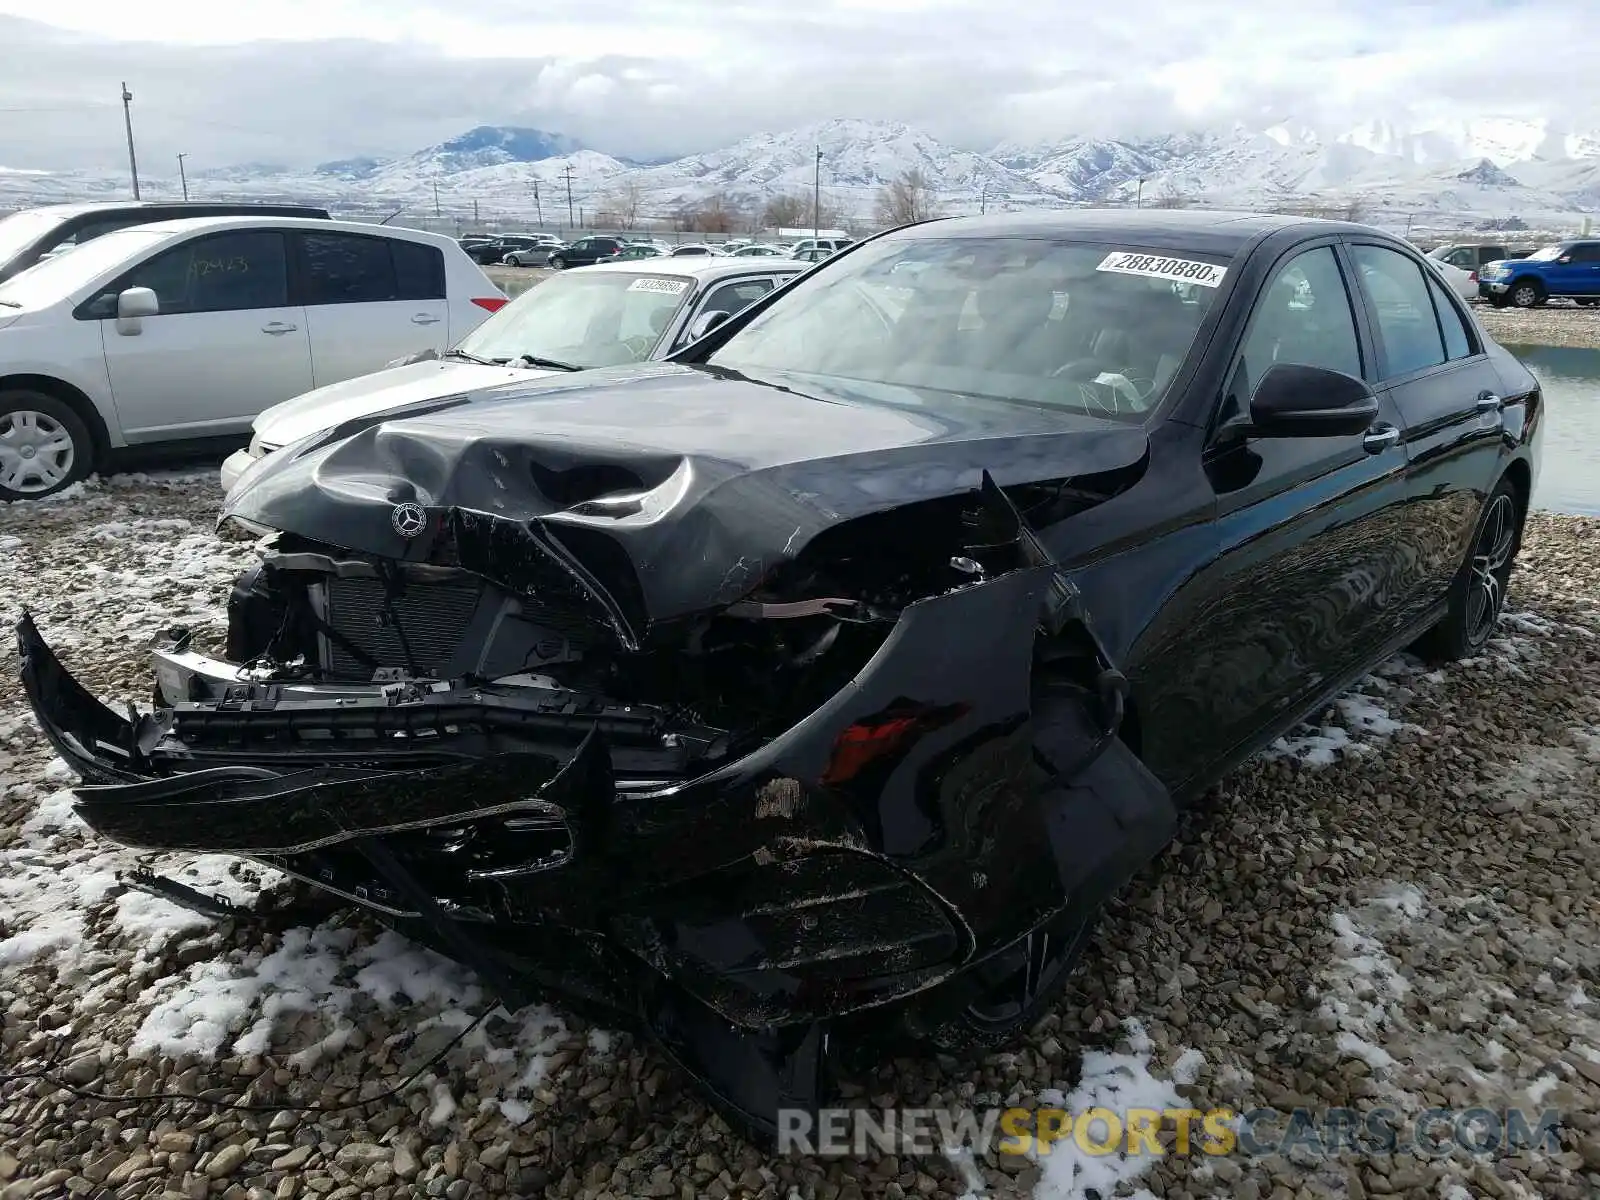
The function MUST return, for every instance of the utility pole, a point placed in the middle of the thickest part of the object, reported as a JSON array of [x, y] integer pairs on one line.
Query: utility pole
[[537, 207], [182, 176], [1138, 196], [816, 198], [474, 210], [983, 199], [436, 198], [567, 171], [127, 121]]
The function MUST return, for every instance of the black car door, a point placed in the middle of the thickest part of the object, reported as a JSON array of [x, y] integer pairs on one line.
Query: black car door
[[1432, 367], [1300, 592], [580, 253]]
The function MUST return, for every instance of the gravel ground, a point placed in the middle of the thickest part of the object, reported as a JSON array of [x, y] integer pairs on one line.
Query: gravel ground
[[1552, 325], [1397, 906]]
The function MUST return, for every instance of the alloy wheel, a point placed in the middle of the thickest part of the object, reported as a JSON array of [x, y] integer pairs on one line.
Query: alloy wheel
[[36, 452], [1491, 568], [1525, 296], [1018, 978]]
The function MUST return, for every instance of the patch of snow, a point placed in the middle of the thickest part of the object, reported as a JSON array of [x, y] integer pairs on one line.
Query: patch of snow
[[1362, 721], [1542, 1087], [444, 1105], [1115, 1081], [1362, 985]]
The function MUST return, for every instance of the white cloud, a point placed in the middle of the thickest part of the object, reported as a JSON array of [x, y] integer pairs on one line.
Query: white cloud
[[301, 80]]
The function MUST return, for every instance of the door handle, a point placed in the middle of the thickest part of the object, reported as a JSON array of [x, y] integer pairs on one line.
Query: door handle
[[424, 319], [277, 328], [1488, 402], [1380, 438]]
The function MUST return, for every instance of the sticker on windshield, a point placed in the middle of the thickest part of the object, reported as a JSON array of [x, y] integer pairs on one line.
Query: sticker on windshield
[[1154, 266], [654, 283]]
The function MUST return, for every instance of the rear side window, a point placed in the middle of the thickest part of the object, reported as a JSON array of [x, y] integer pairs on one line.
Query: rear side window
[[1457, 337], [1586, 252], [222, 273], [1406, 320], [342, 268], [418, 271]]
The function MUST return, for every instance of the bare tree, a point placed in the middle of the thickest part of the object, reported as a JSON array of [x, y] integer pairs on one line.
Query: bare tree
[[715, 214], [1170, 195], [786, 212], [624, 204], [909, 198]]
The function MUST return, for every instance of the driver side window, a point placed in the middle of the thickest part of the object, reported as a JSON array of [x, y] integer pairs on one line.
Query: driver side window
[[1303, 317]]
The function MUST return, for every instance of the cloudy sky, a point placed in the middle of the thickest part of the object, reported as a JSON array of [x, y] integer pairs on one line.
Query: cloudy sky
[[301, 81]]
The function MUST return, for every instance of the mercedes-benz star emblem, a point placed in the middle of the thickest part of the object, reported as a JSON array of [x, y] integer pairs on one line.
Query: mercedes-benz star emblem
[[408, 519]]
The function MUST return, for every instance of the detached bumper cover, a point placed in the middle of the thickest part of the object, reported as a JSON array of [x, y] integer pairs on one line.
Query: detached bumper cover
[[554, 840]]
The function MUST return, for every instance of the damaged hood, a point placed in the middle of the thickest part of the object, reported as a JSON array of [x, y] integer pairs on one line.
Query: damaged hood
[[367, 395], [676, 487]]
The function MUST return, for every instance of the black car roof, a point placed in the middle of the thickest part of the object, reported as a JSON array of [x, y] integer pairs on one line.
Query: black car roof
[[1188, 229]]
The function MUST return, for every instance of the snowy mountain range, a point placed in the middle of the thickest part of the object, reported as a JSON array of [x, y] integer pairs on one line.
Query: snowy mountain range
[[1457, 172]]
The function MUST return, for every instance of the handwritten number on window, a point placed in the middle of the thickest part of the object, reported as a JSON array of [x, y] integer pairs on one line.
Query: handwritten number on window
[[202, 267]]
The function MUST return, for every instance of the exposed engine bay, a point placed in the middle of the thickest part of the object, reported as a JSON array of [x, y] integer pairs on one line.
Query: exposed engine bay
[[856, 789]]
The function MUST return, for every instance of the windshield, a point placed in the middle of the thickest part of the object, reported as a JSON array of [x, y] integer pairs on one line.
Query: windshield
[[21, 230], [1088, 327], [586, 318], [1545, 254], [62, 275]]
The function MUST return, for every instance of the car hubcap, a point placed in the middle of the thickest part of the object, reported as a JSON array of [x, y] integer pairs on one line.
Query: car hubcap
[[1017, 978], [36, 452], [1491, 567], [1524, 297]]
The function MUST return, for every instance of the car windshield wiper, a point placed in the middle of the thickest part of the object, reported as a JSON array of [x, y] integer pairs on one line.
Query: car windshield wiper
[[11, 303], [555, 364], [472, 358]]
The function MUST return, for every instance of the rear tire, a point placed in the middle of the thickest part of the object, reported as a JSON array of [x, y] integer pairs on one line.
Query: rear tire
[[44, 445], [1589, 303], [556, 262], [1527, 293], [1477, 595]]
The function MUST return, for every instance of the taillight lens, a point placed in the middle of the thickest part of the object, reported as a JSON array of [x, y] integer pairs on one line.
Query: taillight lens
[[1472, 277], [492, 303]]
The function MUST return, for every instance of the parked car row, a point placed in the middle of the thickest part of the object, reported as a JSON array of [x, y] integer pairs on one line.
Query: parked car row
[[824, 683], [206, 328], [546, 250]]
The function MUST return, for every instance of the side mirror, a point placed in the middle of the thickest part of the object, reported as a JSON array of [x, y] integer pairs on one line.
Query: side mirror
[[1565, 258], [1294, 400], [706, 322], [133, 304]]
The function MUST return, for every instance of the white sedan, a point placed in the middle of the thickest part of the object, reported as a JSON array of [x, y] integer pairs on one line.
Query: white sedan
[[605, 315], [186, 330]]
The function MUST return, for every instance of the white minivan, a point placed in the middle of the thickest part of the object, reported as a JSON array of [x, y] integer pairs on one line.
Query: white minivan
[[185, 330]]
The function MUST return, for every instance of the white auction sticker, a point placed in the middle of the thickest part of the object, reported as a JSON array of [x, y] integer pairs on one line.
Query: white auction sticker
[[1155, 266], [654, 283]]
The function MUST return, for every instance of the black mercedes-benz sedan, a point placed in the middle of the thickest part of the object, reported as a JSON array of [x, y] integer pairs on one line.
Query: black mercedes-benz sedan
[[826, 679]]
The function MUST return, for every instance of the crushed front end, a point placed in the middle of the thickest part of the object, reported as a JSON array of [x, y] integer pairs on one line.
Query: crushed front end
[[841, 794]]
